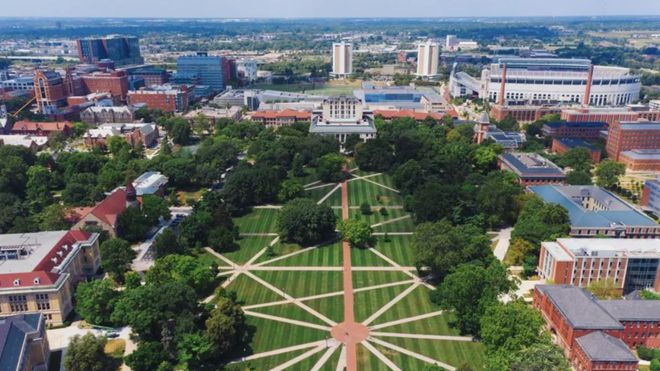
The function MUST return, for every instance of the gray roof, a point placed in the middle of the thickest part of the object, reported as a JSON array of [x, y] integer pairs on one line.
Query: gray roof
[[633, 310], [640, 125], [531, 165], [580, 308], [13, 332], [342, 129], [36, 245], [605, 348], [618, 212]]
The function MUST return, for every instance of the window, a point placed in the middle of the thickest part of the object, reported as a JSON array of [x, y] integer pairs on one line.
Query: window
[[43, 301], [18, 303]]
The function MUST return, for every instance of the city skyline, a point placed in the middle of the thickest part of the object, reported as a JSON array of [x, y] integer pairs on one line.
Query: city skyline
[[336, 9]]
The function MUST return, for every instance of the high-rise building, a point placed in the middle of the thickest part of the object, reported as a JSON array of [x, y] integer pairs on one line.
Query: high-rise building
[[428, 57], [342, 59], [631, 135], [49, 91], [206, 68], [122, 50]]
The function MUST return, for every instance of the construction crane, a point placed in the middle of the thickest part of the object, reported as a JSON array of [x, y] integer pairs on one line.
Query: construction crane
[[22, 108]]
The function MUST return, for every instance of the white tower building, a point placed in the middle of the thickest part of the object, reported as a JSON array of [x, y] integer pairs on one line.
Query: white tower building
[[342, 59], [428, 57]]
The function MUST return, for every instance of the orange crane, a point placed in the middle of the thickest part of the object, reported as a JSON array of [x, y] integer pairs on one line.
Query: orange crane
[[24, 106]]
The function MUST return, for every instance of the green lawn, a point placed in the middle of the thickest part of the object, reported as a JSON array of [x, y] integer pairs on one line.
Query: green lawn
[[317, 194], [331, 307], [360, 191], [249, 247], [328, 255], [455, 353], [251, 292], [402, 225], [268, 363], [398, 249], [270, 335], [366, 258], [415, 303], [376, 217], [290, 311], [306, 283], [368, 302], [369, 278], [258, 221]]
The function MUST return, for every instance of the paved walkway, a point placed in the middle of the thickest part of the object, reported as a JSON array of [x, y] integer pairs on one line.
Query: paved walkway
[[503, 240], [390, 221]]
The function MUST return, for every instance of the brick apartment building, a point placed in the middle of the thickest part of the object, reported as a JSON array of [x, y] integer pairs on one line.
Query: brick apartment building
[[641, 159], [166, 98], [49, 91], [40, 270], [587, 130], [563, 145], [630, 264], [626, 135], [598, 334]]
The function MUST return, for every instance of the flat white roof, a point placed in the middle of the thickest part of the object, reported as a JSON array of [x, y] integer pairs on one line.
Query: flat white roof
[[37, 244], [611, 246], [557, 252]]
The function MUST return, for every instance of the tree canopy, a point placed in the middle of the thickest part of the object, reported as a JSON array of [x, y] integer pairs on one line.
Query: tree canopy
[[304, 222]]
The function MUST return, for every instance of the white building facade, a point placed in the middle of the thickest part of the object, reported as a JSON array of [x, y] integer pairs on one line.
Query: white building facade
[[428, 58], [247, 68], [342, 59]]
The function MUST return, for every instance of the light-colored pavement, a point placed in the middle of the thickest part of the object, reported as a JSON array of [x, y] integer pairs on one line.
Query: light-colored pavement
[[503, 241], [390, 221], [412, 354], [406, 320]]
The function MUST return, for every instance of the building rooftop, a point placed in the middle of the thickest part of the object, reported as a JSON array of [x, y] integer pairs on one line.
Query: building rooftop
[[14, 331], [643, 154], [613, 211], [149, 183], [580, 308], [639, 125], [601, 347], [555, 125], [35, 246], [575, 142], [531, 165], [609, 247], [633, 310]]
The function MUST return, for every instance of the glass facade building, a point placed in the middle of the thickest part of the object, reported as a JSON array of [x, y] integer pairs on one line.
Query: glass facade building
[[203, 68]]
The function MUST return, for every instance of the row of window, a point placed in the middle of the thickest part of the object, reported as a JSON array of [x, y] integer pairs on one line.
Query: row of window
[[19, 303]]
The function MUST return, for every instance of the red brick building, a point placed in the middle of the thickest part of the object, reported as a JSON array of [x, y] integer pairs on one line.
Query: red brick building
[[586, 130], [563, 145], [531, 169], [607, 115], [280, 118], [113, 82], [165, 98], [596, 334], [389, 115], [627, 135], [522, 113], [49, 91], [41, 128], [641, 159]]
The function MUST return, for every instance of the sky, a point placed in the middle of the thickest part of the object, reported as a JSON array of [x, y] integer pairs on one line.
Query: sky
[[323, 8]]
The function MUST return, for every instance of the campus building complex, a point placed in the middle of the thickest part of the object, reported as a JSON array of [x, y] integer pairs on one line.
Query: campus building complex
[[39, 271], [281, 118], [631, 264], [428, 58], [519, 81], [651, 196], [166, 98], [121, 50], [563, 145], [608, 115], [341, 117], [594, 211], [586, 130], [598, 334], [342, 59], [531, 168]]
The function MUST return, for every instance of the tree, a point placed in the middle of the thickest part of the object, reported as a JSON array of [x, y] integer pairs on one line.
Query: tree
[[374, 155], [577, 177], [608, 173], [86, 353], [132, 224], [116, 257], [485, 157], [539, 222], [297, 165], [539, 357], [578, 159], [518, 250], [290, 189], [38, 187], [357, 232], [226, 327], [166, 243], [508, 328], [442, 246], [446, 201], [365, 208], [604, 289], [147, 357], [655, 365], [408, 177], [154, 208], [222, 239], [496, 196], [52, 218], [470, 290], [95, 301], [329, 167], [180, 131], [303, 221], [185, 269]]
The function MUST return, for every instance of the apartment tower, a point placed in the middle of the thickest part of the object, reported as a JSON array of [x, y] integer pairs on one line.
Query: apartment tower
[[342, 59], [428, 56]]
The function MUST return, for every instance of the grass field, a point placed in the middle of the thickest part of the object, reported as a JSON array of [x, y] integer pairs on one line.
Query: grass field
[[316, 274]]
